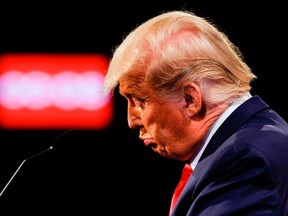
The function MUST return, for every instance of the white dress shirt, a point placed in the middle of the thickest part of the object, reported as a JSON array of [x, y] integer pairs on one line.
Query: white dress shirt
[[215, 126]]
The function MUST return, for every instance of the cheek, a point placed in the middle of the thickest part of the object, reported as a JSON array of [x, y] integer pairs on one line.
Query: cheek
[[156, 114], [165, 121]]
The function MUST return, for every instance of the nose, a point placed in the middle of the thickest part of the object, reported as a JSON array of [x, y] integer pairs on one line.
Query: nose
[[133, 117]]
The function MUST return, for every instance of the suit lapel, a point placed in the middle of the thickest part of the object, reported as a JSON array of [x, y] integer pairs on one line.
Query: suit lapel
[[234, 122], [237, 118]]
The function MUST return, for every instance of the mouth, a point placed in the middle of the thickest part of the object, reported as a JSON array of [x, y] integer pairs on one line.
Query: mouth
[[148, 141], [155, 147]]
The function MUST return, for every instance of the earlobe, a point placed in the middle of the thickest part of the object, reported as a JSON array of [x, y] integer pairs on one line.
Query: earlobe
[[193, 99]]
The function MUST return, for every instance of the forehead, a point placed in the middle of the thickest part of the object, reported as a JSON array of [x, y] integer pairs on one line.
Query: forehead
[[132, 81], [128, 86]]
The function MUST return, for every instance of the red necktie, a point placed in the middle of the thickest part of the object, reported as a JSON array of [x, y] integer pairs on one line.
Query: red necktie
[[186, 172]]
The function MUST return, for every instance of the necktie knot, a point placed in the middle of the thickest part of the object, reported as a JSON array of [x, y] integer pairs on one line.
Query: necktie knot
[[186, 172]]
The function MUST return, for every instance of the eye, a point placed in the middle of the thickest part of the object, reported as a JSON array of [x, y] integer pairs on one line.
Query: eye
[[139, 102]]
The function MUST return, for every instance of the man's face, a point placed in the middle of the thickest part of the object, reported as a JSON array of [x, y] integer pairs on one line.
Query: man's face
[[163, 125]]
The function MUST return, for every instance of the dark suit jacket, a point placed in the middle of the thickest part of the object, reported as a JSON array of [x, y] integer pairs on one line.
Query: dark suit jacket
[[244, 169]]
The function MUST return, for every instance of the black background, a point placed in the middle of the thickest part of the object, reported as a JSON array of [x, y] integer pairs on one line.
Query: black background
[[93, 172]]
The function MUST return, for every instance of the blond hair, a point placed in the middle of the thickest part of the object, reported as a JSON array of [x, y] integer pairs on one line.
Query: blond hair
[[179, 46]]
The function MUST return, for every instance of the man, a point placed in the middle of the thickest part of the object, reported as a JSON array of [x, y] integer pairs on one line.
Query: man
[[188, 94]]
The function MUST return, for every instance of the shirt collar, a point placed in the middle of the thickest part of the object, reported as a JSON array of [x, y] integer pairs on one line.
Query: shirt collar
[[215, 126]]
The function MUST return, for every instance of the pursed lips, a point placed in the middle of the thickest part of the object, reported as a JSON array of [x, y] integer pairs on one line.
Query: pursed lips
[[147, 141]]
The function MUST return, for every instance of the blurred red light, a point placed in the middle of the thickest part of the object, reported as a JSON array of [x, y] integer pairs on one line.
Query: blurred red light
[[59, 91]]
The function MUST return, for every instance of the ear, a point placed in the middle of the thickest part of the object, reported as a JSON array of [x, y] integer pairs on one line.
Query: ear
[[193, 99]]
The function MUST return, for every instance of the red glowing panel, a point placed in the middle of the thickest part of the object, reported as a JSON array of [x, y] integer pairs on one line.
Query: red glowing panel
[[48, 91]]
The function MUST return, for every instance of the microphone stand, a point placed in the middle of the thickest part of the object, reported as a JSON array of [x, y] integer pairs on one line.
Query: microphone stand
[[36, 155], [21, 164]]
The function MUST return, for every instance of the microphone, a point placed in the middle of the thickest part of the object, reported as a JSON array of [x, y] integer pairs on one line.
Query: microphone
[[55, 140]]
